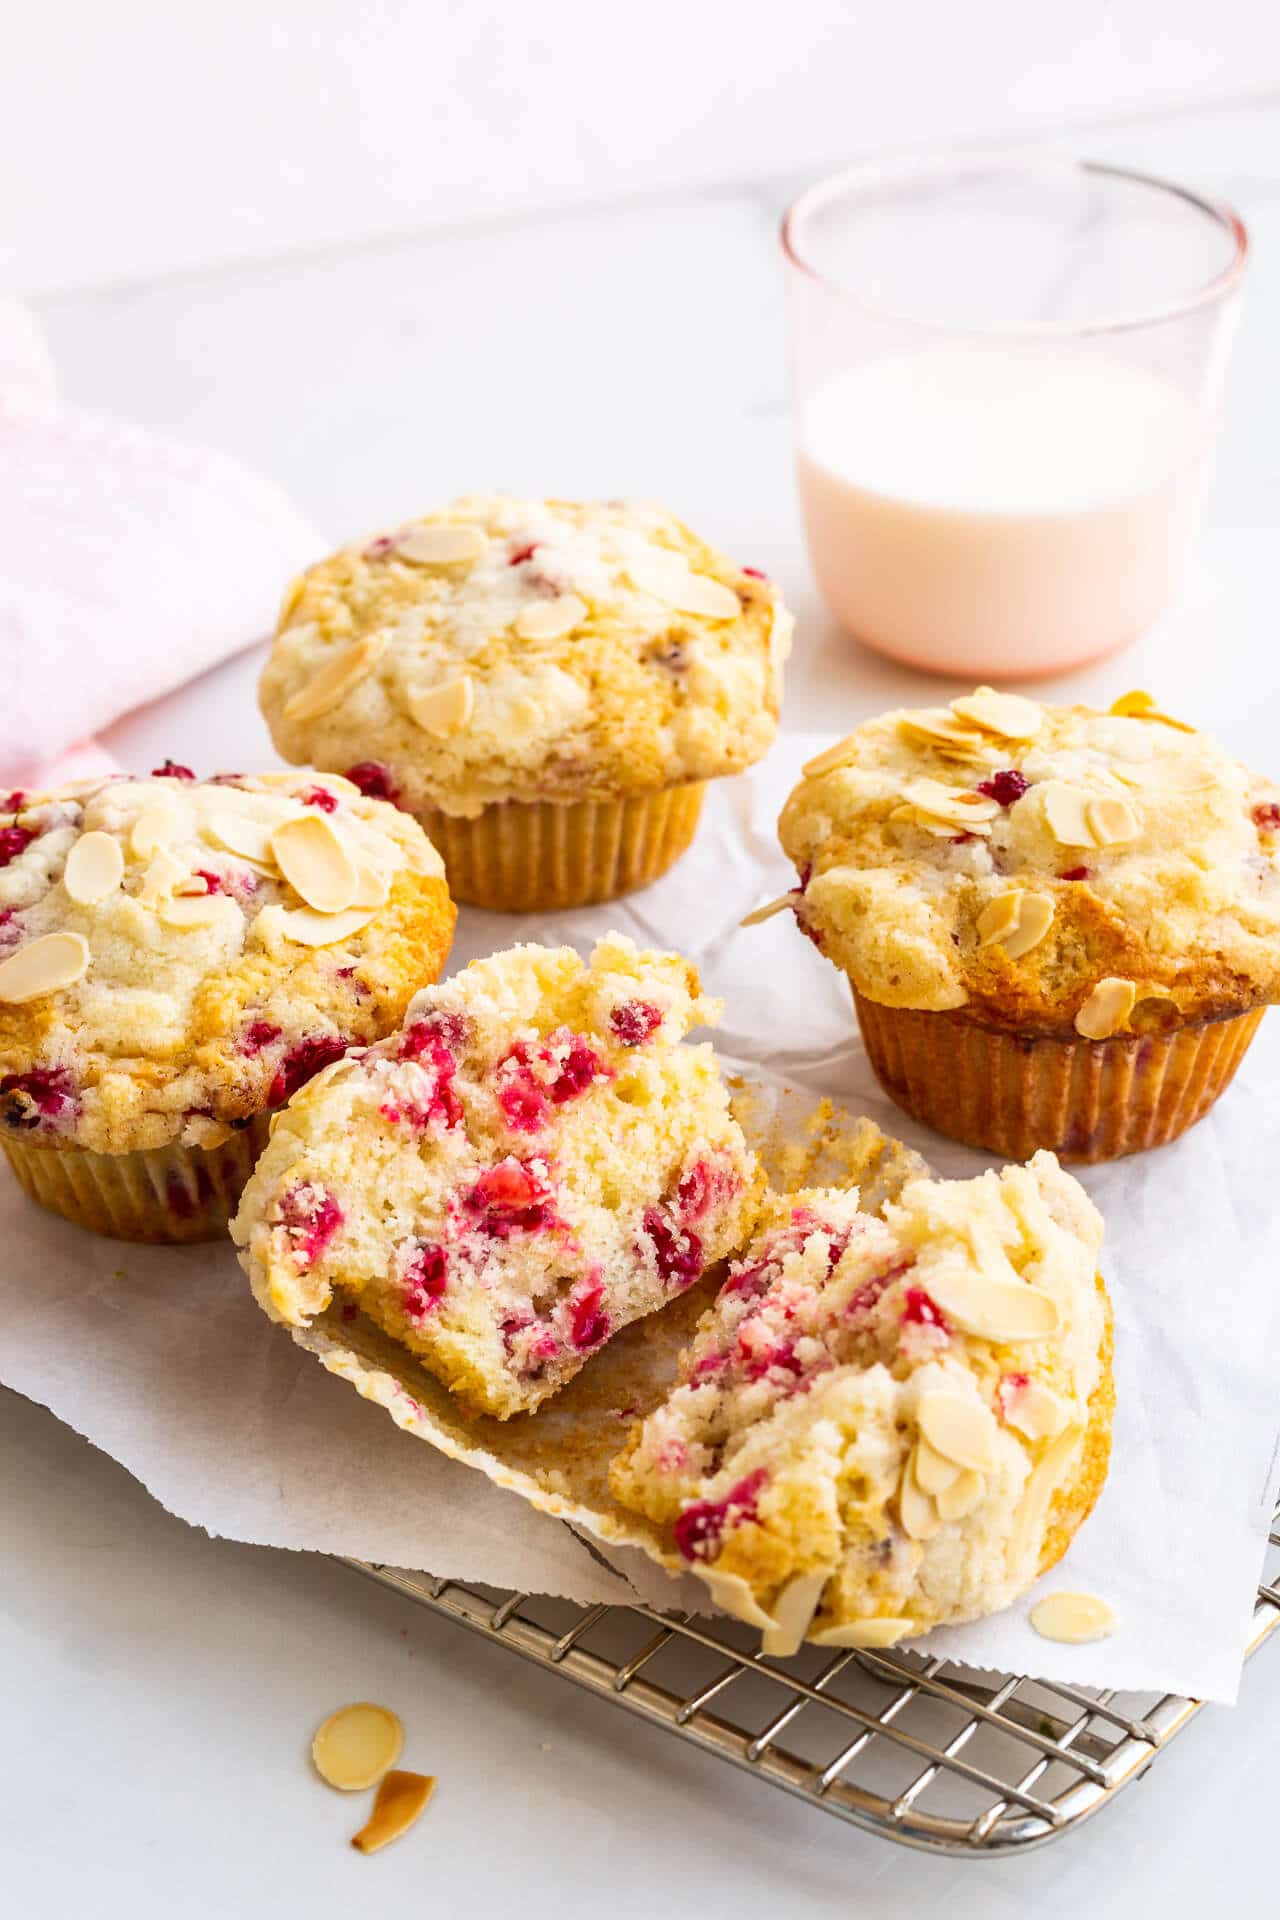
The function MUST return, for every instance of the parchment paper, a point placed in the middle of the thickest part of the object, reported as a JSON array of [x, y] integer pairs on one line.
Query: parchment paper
[[160, 1357]]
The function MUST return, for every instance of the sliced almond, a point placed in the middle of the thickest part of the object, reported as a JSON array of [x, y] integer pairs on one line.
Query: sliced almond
[[308, 929], [185, 910], [1036, 1411], [832, 757], [999, 918], [548, 619], [959, 1427], [1007, 715], [288, 606], [1035, 917], [709, 599], [793, 1609], [336, 678], [1073, 1618], [884, 1632], [356, 1745], [1066, 811], [958, 805], [1033, 1509], [1106, 1009], [46, 965], [445, 708], [759, 915], [241, 834], [669, 577], [1171, 773], [939, 727], [398, 1803], [1001, 1310], [373, 888], [732, 1593], [441, 544], [164, 875], [295, 777], [316, 863], [1113, 823], [962, 1496], [916, 1510], [162, 821], [931, 1472], [95, 868], [1141, 706]]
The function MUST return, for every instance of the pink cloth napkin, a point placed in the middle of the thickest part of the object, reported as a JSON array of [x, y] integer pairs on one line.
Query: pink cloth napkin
[[129, 563]]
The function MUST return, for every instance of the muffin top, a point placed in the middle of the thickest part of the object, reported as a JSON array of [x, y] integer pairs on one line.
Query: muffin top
[[1053, 869], [534, 1162], [176, 955], [875, 1420], [527, 650]]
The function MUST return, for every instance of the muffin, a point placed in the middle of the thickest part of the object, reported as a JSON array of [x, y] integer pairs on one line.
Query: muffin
[[533, 1163], [1060, 925], [887, 1424], [546, 685], [176, 957]]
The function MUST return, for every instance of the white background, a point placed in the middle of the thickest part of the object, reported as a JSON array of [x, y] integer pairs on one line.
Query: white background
[[389, 253]]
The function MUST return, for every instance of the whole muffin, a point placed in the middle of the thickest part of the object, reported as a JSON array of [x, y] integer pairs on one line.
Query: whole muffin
[[888, 1424], [1061, 926], [176, 957], [547, 685], [532, 1164]]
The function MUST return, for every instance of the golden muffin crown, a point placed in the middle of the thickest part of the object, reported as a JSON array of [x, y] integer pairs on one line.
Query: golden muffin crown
[[527, 650], [1050, 868]]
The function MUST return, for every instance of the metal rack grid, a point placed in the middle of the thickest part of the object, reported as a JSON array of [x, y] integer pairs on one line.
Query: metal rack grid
[[925, 1753]]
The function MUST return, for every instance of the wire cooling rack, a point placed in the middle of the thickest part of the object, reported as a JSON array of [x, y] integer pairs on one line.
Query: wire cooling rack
[[912, 1748]]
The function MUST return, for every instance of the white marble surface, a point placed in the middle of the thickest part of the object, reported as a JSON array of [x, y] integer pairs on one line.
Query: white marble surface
[[160, 1687]]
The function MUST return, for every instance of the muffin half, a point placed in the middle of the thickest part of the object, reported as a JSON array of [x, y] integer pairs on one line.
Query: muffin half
[[547, 685], [176, 957], [1061, 926]]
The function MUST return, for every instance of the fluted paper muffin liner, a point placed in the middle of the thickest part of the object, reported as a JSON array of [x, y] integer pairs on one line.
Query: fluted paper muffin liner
[[542, 856], [161, 1194], [1086, 1100]]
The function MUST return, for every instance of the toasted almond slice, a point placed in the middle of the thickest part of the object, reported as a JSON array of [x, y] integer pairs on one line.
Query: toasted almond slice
[[962, 1496], [931, 1472], [95, 868], [1035, 917], [958, 804], [241, 834], [1036, 1411], [959, 1427], [316, 863], [46, 965], [1106, 1009], [1172, 773], [356, 1745], [373, 887], [732, 1593], [883, 1632], [709, 599], [793, 1609], [164, 875], [939, 727], [999, 918], [440, 544], [1033, 1509], [549, 619], [831, 758], [759, 915], [1113, 823], [916, 1510], [1141, 706], [309, 929], [445, 708], [163, 820], [336, 678], [1066, 811], [1073, 1618], [1007, 715], [185, 910], [1006, 1311], [398, 1803]]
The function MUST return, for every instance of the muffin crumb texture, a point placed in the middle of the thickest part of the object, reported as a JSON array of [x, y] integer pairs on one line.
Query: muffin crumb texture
[[177, 955], [535, 1161], [527, 650], [1050, 869], [885, 1424]]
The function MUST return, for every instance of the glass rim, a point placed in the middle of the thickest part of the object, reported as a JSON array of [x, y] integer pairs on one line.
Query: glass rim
[[958, 165]]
